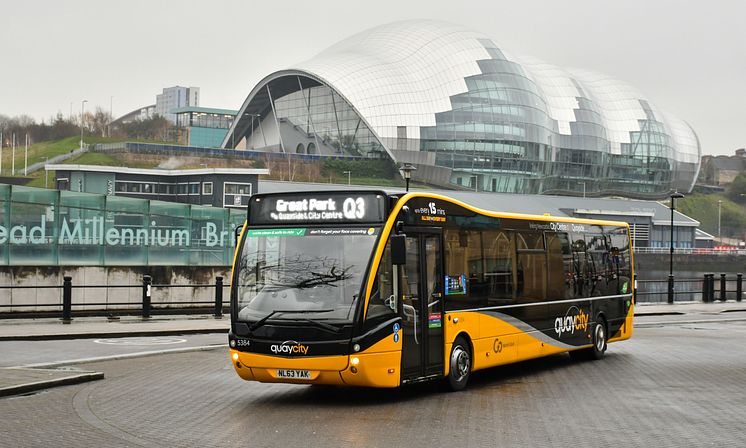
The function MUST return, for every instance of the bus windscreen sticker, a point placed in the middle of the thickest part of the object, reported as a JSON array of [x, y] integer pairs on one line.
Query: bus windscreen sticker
[[276, 232]]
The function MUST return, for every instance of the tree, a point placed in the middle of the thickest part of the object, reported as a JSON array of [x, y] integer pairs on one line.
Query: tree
[[736, 191]]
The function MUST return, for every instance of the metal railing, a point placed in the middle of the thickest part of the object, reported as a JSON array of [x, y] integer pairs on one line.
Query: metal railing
[[146, 305], [708, 288], [724, 250]]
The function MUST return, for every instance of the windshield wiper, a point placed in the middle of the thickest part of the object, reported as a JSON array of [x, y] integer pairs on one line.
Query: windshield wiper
[[264, 319], [322, 325]]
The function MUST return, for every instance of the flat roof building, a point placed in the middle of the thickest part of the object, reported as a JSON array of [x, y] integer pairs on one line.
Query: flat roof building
[[203, 127], [216, 187], [173, 98]]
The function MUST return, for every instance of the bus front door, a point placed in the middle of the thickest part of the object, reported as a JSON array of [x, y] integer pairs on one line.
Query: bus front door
[[421, 290]]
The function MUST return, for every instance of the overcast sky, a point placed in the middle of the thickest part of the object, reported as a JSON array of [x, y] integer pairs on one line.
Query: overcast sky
[[688, 57]]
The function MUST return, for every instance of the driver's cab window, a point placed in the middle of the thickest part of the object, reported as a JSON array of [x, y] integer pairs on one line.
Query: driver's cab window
[[382, 294]]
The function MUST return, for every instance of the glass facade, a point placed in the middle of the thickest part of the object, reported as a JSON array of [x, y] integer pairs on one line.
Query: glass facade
[[436, 94], [40, 227]]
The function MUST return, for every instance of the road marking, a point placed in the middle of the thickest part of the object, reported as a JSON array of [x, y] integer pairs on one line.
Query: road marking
[[126, 356], [140, 341]]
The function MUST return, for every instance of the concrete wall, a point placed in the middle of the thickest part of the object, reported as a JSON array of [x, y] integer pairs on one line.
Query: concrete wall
[[101, 292]]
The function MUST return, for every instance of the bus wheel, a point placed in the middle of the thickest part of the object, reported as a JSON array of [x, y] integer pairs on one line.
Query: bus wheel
[[460, 365], [598, 339]]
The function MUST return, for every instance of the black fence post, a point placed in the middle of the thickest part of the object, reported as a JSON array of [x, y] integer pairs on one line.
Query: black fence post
[[147, 281], [670, 289], [705, 288], [739, 286], [722, 287], [711, 287], [67, 300], [218, 297]]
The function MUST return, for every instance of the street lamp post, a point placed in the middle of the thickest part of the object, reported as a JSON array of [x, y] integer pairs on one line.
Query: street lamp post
[[82, 109], [348, 173], [111, 114], [674, 196], [406, 171], [46, 173], [720, 204]]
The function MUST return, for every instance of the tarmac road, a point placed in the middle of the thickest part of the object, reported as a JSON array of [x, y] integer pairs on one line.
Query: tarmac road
[[672, 385]]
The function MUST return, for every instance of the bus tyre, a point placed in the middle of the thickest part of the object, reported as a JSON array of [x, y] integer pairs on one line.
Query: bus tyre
[[599, 343], [460, 366], [599, 340]]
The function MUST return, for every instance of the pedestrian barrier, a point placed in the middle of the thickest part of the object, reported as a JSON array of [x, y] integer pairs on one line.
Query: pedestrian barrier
[[702, 289], [147, 306], [691, 289]]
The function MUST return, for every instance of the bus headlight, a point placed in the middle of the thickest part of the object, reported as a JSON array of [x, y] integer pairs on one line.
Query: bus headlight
[[235, 356]]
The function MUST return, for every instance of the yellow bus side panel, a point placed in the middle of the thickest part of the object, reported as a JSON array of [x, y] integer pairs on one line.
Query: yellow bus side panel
[[378, 366], [496, 342]]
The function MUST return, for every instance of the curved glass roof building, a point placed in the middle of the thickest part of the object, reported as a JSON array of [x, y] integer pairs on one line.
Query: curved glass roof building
[[467, 112]]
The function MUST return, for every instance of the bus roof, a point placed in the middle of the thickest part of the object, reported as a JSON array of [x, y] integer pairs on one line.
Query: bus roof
[[558, 207]]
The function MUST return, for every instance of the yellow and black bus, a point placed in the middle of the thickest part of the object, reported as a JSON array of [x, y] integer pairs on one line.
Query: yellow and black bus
[[380, 289]]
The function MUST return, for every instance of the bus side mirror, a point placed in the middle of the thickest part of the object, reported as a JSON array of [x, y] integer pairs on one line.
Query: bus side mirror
[[398, 249]]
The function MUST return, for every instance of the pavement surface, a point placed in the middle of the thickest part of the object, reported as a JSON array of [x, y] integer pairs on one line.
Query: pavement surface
[[671, 385], [28, 366]]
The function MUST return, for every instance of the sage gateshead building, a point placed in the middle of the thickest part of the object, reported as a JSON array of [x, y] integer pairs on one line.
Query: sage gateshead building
[[468, 113]]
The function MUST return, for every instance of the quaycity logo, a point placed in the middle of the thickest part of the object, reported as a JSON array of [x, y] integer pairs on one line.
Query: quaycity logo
[[289, 348], [574, 319]]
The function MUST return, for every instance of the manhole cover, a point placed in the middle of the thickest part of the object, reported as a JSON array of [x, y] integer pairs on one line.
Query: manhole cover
[[140, 341]]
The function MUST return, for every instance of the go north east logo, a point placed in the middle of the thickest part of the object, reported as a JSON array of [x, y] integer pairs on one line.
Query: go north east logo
[[574, 319], [289, 348]]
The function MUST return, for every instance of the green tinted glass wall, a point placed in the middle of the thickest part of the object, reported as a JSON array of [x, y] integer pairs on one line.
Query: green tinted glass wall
[[40, 227]]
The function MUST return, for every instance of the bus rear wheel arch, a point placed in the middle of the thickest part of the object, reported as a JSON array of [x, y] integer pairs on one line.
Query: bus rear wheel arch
[[599, 342], [460, 364]]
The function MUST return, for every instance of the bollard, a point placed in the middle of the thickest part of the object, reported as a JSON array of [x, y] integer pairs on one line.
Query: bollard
[[670, 289], [722, 287], [147, 281], [67, 300], [711, 287], [218, 297], [739, 286], [705, 286]]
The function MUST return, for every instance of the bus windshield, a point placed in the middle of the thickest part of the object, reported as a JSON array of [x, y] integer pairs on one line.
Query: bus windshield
[[302, 269]]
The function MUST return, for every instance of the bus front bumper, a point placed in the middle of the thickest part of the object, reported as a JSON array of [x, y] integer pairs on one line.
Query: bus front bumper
[[361, 369]]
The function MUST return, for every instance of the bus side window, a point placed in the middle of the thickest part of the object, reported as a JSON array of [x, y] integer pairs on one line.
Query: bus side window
[[498, 267], [558, 247], [579, 267], [597, 256], [463, 257], [531, 269], [620, 259]]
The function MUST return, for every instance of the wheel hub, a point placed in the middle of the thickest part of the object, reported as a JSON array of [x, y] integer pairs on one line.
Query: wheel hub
[[460, 363]]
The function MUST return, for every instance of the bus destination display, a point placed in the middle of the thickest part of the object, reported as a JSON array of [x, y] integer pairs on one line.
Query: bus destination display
[[332, 207]]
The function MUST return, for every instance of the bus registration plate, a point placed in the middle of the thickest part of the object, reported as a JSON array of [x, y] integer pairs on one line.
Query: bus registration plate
[[294, 374]]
